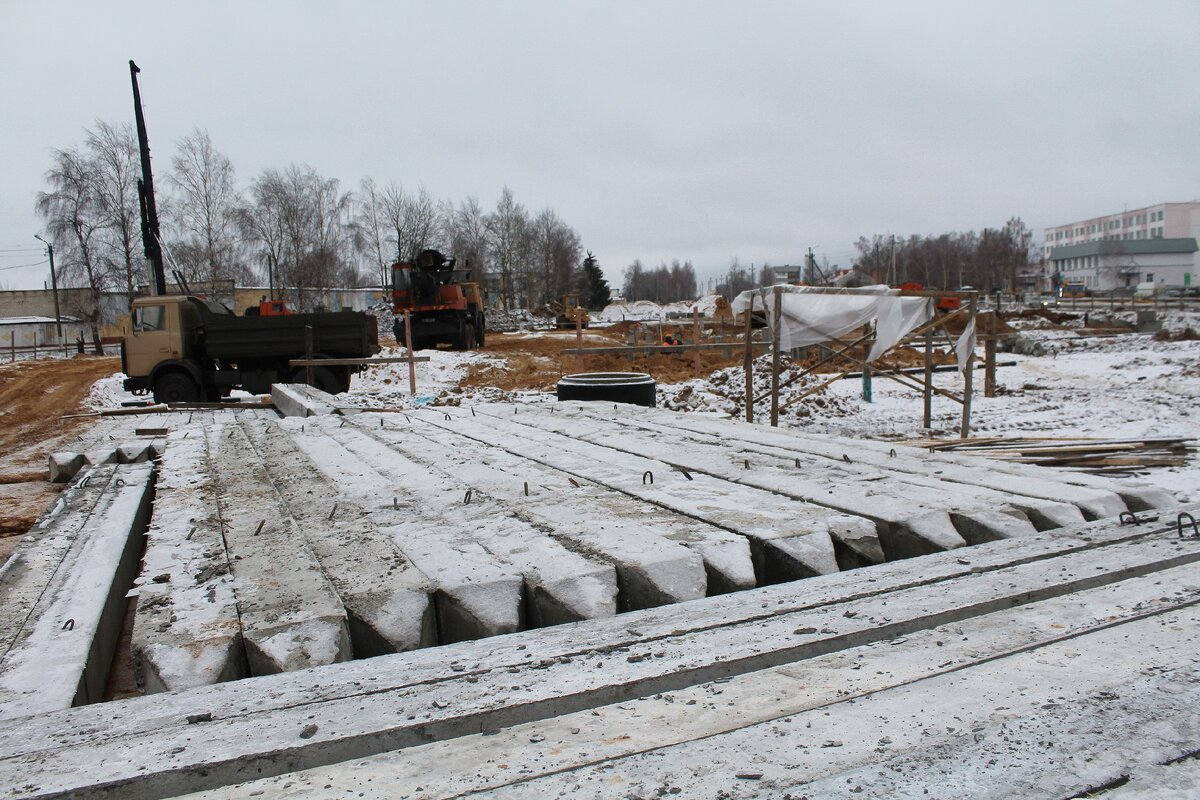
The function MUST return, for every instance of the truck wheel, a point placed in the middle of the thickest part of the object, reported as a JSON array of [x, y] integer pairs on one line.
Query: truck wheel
[[323, 378], [479, 331], [459, 341], [175, 387]]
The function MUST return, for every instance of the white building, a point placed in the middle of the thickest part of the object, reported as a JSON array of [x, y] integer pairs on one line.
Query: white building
[[1156, 244]]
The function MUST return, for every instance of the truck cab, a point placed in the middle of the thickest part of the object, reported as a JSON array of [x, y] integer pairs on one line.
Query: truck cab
[[161, 330]]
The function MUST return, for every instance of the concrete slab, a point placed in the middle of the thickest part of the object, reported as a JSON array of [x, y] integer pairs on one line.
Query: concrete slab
[[755, 503], [39, 555], [456, 542], [64, 465], [557, 750], [760, 516], [556, 500], [291, 617], [301, 400], [62, 654], [651, 570], [1040, 483], [336, 497], [187, 631], [621, 661]]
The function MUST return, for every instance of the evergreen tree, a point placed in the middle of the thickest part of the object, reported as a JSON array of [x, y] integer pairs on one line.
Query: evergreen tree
[[596, 293]]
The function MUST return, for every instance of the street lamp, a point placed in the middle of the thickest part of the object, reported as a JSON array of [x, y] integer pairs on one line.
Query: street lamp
[[54, 285]]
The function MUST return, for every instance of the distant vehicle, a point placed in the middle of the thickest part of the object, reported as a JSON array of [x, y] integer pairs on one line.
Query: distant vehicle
[[269, 308], [1073, 290], [571, 313], [943, 303]]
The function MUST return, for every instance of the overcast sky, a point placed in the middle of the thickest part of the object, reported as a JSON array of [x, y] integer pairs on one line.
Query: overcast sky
[[658, 130]]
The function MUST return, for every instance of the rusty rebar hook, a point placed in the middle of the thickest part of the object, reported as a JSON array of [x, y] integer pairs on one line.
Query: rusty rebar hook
[[1129, 518], [647, 474], [1191, 519]]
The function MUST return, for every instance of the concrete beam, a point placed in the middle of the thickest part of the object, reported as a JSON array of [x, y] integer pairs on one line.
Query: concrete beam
[[186, 629], [291, 617], [1021, 481], [301, 400], [824, 699], [556, 501], [62, 654], [428, 521], [760, 516]]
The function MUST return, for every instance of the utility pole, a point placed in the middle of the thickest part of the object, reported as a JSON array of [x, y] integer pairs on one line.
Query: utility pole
[[150, 240], [53, 285]]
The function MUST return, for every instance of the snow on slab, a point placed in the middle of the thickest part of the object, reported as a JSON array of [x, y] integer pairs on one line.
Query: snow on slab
[[693, 487], [979, 513], [102, 735], [384, 593], [1033, 482], [833, 682], [539, 675], [477, 595], [459, 544], [547, 499], [39, 555], [291, 616], [1078, 719], [296, 400], [62, 654], [186, 630]]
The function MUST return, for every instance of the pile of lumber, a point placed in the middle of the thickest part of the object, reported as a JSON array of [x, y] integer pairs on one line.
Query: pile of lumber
[[1088, 455]]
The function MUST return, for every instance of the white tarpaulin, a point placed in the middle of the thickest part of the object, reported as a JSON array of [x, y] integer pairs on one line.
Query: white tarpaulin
[[812, 315]]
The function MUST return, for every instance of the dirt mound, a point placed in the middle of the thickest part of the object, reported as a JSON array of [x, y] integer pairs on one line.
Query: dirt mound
[[34, 396]]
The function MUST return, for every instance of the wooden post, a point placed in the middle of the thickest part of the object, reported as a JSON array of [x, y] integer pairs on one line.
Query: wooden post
[[967, 376], [928, 417], [778, 314], [578, 339], [989, 359], [696, 338], [748, 366], [412, 365], [308, 354]]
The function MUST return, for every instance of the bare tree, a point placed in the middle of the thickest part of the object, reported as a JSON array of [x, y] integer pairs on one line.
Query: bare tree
[[261, 222], [74, 218], [555, 253], [465, 233], [413, 217], [508, 237], [205, 211], [113, 152], [371, 230]]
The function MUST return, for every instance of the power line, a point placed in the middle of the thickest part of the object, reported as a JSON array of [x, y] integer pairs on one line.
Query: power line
[[22, 266]]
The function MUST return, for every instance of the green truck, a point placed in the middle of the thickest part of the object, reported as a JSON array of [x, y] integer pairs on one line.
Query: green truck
[[185, 349]]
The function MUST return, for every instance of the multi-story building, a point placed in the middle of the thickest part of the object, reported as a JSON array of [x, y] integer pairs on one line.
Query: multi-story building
[[1156, 244]]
